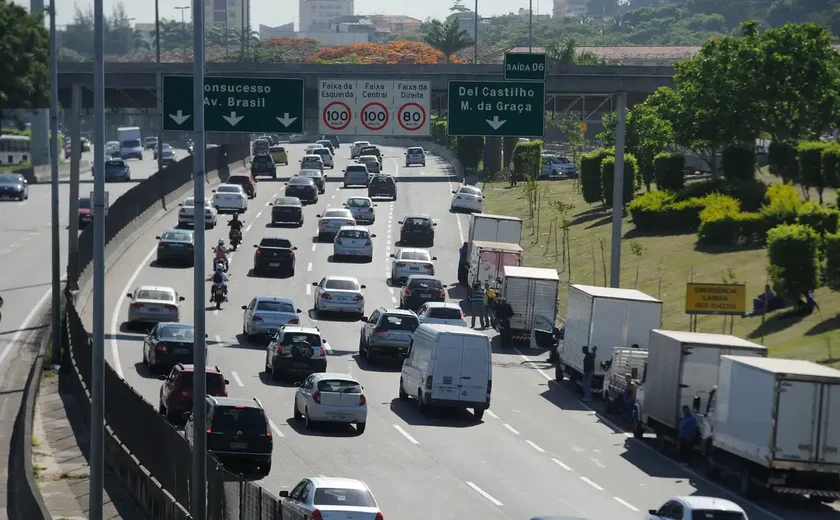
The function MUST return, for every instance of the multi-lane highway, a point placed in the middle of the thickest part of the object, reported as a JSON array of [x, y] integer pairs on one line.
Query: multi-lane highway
[[538, 451]]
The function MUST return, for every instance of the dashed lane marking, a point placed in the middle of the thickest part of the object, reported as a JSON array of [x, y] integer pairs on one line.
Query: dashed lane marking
[[534, 445], [596, 486], [236, 378], [309, 266], [218, 339], [561, 464], [626, 504], [309, 290], [275, 428], [314, 246], [511, 428], [491, 414], [405, 434], [485, 494]]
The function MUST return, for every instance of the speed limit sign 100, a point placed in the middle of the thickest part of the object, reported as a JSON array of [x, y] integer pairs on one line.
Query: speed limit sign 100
[[336, 115], [411, 116], [374, 116]]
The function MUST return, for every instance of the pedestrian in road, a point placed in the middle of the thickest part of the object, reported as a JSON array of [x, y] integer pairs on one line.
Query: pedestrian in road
[[463, 264], [488, 315], [629, 398], [588, 372], [504, 312], [477, 304], [688, 434]]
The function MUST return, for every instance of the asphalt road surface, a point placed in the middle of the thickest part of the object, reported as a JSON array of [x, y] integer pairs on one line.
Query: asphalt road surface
[[538, 451]]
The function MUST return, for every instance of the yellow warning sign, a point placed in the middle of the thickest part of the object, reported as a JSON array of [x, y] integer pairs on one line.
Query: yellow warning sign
[[716, 298]]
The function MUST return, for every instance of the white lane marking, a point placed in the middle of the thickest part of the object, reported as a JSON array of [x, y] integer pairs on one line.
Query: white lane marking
[[216, 312], [116, 316], [393, 299], [596, 486], [485, 494], [236, 378], [597, 462], [275, 428], [534, 445], [309, 266], [491, 414], [25, 325], [626, 504], [577, 448], [218, 339], [391, 290], [249, 227], [314, 246], [405, 434], [511, 428], [561, 464], [257, 217], [308, 290], [457, 218]]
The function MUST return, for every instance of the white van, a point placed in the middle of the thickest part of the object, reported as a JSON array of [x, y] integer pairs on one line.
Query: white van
[[448, 366]]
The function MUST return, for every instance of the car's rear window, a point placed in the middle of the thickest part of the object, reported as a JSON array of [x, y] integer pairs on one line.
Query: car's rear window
[[300, 181], [229, 189], [150, 294], [287, 201], [275, 242], [415, 150], [278, 149], [343, 497], [716, 515], [359, 203], [84, 203], [114, 164], [418, 222], [177, 333], [343, 285], [239, 179], [368, 159], [290, 338], [250, 421], [275, 307], [408, 323], [444, 313], [361, 168], [337, 213], [322, 151], [383, 179], [469, 190], [177, 236], [215, 382], [415, 255], [425, 283], [353, 233], [340, 386]]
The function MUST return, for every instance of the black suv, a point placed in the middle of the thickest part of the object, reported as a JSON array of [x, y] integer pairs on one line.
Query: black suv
[[417, 231], [383, 186], [420, 289], [237, 431], [263, 164]]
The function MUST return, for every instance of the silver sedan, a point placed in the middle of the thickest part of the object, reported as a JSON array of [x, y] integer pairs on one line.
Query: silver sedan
[[362, 209], [333, 495], [266, 314], [154, 304], [353, 241], [339, 294], [410, 261], [332, 220]]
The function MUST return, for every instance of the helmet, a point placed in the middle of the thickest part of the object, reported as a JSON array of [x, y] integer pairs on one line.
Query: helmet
[[221, 242], [219, 268], [235, 216]]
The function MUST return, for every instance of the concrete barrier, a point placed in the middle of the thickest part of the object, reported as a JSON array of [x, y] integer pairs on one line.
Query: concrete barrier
[[43, 174]]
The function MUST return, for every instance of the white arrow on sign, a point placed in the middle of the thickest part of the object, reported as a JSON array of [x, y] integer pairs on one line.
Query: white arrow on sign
[[495, 123], [232, 119], [286, 120], [179, 117]]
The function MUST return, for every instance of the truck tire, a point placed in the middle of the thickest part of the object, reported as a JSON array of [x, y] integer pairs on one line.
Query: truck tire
[[745, 485], [558, 372]]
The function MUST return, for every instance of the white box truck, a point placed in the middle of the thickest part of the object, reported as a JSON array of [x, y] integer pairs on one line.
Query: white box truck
[[130, 144], [605, 318], [532, 293], [775, 424], [681, 370], [494, 228], [487, 259]]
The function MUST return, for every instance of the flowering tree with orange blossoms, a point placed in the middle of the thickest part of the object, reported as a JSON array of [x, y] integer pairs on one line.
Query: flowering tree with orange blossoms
[[285, 49], [391, 53]]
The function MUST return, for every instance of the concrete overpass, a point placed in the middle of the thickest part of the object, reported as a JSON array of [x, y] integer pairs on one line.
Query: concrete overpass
[[586, 90]]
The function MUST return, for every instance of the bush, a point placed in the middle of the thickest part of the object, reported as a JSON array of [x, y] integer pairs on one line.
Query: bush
[[794, 265], [590, 175], [527, 158], [701, 188], [739, 163], [718, 206], [819, 218], [717, 220], [752, 193], [782, 203], [831, 165], [469, 151], [831, 245], [669, 171], [810, 166], [782, 159], [439, 132], [659, 211], [733, 229], [631, 178]]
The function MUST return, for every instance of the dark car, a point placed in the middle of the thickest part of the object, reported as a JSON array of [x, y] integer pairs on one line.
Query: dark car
[[274, 254], [336, 142], [238, 431], [247, 182], [420, 289], [287, 210], [316, 175], [13, 186], [85, 212], [295, 350], [383, 186], [176, 392], [303, 188], [169, 344], [263, 164], [371, 150], [417, 231], [176, 245], [326, 143]]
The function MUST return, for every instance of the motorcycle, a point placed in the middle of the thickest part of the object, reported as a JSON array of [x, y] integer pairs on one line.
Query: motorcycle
[[191, 149], [235, 238], [224, 261], [218, 292]]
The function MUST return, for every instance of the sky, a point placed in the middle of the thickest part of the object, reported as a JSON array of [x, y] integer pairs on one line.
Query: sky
[[279, 12]]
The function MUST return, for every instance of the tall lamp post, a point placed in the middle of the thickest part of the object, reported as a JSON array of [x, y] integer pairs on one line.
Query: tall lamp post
[[182, 9], [475, 34], [159, 85]]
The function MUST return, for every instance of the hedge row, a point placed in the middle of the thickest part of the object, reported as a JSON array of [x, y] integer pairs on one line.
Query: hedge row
[[794, 259], [590, 175], [739, 163], [527, 158]]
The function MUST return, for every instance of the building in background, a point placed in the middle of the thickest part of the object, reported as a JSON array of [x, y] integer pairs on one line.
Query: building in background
[[570, 8], [319, 15], [146, 32], [281, 31], [396, 24], [233, 15], [525, 13]]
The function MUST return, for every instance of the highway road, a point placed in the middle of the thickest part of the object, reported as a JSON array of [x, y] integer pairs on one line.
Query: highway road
[[538, 451]]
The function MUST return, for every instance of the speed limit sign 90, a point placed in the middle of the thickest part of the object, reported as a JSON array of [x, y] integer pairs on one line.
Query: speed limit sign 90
[[336, 116], [411, 116], [374, 116]]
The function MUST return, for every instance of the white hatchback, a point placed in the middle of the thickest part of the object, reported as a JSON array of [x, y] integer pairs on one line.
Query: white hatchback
[[442, 313], [410, 261], [332, 220], [230, 197], [312, 161], [467, 198], [328, 397], [353, 241], [186, 215], [362, 209], [325, 155], [154, 304]]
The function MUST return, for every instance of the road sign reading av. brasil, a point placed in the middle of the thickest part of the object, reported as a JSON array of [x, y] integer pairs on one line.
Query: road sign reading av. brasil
[[496, 108], [524, 66], [246, 105]]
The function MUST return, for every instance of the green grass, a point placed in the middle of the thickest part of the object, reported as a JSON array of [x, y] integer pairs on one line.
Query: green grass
[[665, 265], [15, 167]]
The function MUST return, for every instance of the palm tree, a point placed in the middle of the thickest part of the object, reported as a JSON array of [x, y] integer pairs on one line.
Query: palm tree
[[564, 51], [447, 37]]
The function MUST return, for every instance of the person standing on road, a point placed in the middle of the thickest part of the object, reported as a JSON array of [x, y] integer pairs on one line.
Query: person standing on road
[[504, 312], [488, 317], [688, 432], [629, 398], [588, 372], [463, 264], [477, 304]]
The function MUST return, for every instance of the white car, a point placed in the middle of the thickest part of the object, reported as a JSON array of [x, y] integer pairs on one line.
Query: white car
[[325, 155], [297, 138], [442, 313], [230, 197], [329, 397], [415, 155], [336, 497], [357, 147], [409, 261], [372, 163], [312, 161], [353, 241], [154, 304], [362, 209], [186, 215], [557, 167], [694, 507], [339, 294], [467, 198], [332, 220], [311, 147]]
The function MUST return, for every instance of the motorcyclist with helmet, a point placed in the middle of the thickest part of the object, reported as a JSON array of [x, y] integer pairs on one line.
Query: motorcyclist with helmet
[[221, 255], [220, 279], [235, 225]]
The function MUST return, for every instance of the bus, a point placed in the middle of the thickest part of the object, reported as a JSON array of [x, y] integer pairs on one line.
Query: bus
[[14, 149]]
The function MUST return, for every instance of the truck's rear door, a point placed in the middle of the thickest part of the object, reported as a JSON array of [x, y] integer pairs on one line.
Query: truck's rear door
[[829, 445], [797, 420], [610, 316]]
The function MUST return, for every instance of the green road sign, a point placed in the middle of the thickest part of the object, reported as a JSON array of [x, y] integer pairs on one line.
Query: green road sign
[[496, 108], [247, 105], [522, 66]]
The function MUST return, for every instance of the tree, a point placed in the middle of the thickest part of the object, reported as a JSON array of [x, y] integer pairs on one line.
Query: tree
[[447, 37], [458, 7], [385, 53], [564, 51], [24, 58]]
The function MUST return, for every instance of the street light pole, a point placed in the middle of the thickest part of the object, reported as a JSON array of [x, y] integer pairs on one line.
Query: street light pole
[[159, 87], [54, 158], [182, 9], [530, 25], [475, 34]]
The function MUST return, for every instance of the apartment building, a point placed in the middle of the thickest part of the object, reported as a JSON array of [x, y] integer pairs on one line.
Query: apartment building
[[319, 15], [233, 15]]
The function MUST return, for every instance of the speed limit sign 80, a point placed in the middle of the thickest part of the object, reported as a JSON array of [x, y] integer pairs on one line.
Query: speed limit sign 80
[[411, 116]]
